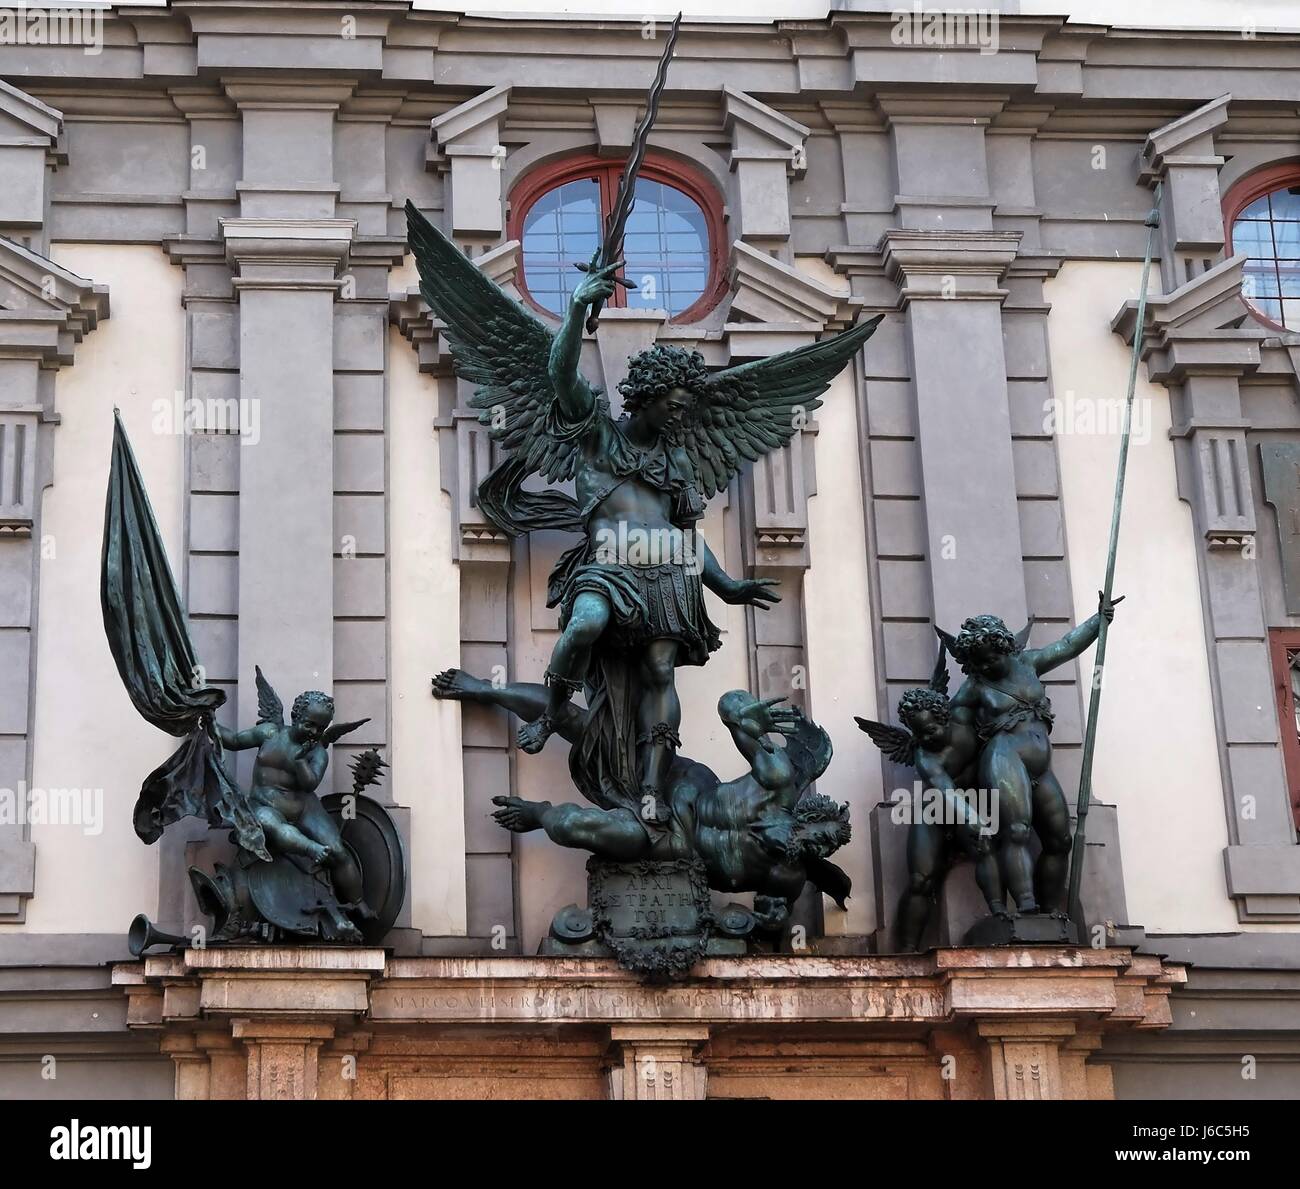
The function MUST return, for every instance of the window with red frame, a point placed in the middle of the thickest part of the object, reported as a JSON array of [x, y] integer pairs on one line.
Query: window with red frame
[[671, 247], [1285, 646], [1262, 216]]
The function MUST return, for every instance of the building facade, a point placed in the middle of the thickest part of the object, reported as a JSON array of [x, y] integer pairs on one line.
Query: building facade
[[201, 222]]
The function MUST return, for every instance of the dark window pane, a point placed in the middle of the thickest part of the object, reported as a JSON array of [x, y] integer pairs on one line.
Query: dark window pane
[[1286, 203], [1286, 240], [1259, 279], [1252, 239]]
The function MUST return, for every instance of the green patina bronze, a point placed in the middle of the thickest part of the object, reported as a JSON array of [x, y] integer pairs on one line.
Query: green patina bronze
[[305, 867], [630, 592], [995, 735]]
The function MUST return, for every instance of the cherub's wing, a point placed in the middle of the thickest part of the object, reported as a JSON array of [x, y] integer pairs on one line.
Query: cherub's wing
[[269, 707], [746, 411], [947, 639], [897, 744], [939, 678], [496, 345], [1022, 636], [339, 729]]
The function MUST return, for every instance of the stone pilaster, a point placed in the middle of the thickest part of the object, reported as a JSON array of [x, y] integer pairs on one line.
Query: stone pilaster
[[657, 1062], [47, 311], [951, 289], [286, 279]]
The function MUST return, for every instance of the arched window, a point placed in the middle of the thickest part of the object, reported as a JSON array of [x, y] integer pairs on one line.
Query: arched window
[[1262, 216], [672, 246]]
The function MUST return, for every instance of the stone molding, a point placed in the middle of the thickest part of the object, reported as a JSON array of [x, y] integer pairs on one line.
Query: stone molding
[[1025, 1023], [948, 265]]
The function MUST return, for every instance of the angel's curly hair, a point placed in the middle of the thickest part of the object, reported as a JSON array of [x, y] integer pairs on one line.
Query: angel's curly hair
[[914, 701], [657, 371], [305, 701], [978, 631]]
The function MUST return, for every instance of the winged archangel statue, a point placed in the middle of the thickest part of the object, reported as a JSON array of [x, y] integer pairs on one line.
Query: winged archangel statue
[[630, 592]]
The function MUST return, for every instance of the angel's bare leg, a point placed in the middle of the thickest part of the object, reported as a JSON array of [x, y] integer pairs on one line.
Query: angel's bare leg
[[658, 717], [317, 824], [286, 838], [524, 699], [612, 834], [568, 667]]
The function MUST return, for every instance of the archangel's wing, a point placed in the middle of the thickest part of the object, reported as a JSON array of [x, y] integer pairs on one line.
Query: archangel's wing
[[897, 744], [1022, 636], [939, 678], [339, 729], [746, 411], [496, 345], [269, 707]]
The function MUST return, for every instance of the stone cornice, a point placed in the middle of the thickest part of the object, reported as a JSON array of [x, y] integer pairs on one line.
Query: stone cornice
[[42, 125], [47, 308], [1188, 140], [1115, 986], [766, 290], [770, 132]]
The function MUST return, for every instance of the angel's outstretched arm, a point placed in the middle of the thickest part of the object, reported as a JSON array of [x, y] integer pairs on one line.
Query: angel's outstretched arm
[[1074, 642], [734, 590], [241, 740], [572, 392]]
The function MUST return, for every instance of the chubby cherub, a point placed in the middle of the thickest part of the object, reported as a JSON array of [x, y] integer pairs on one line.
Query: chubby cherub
[[291, 762], [945, 754]]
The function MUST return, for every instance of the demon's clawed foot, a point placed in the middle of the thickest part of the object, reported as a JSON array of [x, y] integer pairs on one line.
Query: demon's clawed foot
[[456, 683], [519, 815]]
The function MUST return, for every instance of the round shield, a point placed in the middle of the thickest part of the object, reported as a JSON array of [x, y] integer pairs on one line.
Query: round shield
[[286, 895], [372, 837]]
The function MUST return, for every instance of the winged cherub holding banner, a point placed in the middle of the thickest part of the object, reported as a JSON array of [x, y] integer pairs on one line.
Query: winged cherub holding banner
[[630, 593]]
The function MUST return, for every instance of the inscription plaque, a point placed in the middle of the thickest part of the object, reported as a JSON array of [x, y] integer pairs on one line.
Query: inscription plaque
[[654, 916]]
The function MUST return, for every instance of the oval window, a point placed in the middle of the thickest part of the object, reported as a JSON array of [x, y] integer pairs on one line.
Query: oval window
[[1263, 220], [670, 243]]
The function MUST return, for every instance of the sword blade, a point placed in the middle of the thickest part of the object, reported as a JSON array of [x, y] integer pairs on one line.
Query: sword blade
[[626, 197]]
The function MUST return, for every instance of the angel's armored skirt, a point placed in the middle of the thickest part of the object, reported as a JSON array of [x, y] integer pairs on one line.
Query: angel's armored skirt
[[647, 603]]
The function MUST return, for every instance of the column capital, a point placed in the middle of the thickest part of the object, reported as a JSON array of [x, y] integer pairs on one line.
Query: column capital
[[948, 265], [287, 253]]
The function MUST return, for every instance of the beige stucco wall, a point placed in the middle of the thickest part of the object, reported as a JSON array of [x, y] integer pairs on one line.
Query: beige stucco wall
[[1156, 753], [424, 637], [87, 734], [837, 616]]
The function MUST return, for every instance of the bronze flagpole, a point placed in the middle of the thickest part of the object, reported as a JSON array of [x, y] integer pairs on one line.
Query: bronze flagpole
[[1099, 659]]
